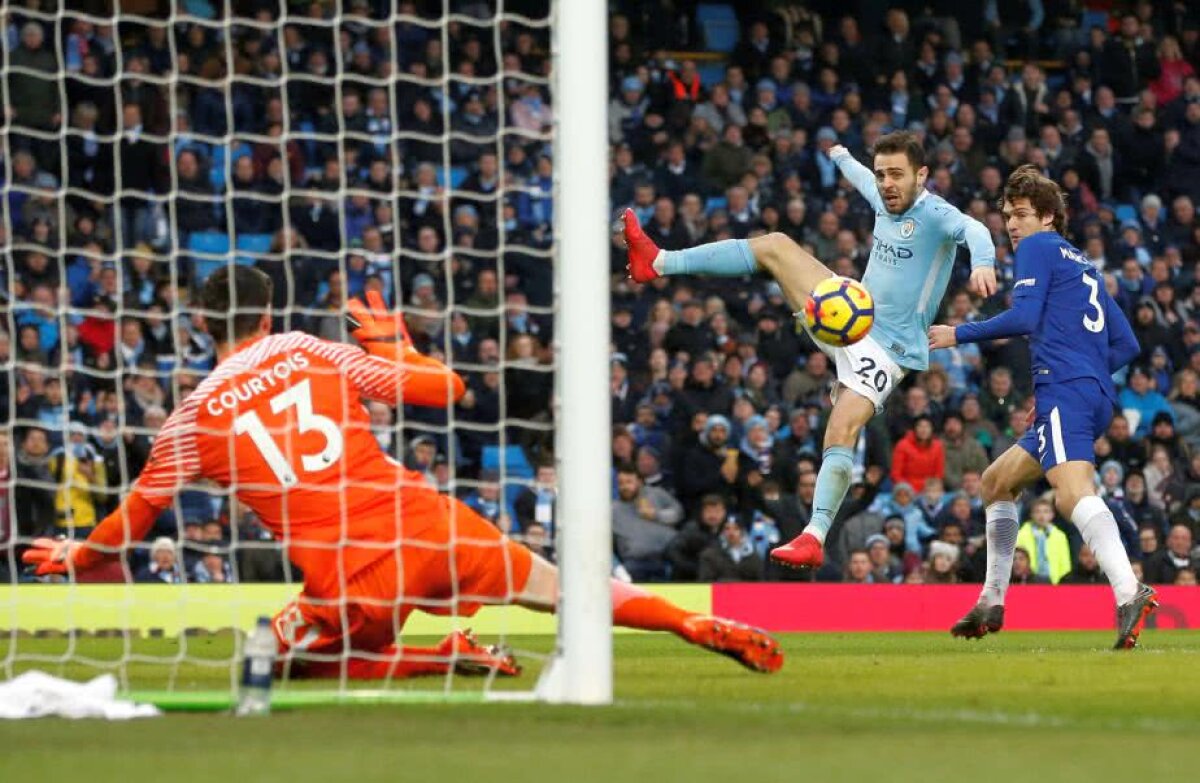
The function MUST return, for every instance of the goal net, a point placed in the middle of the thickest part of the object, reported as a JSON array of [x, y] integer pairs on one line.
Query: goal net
[[443, 153]]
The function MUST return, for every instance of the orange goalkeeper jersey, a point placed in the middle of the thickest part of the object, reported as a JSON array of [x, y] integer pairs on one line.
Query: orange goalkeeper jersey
[[281, 422]]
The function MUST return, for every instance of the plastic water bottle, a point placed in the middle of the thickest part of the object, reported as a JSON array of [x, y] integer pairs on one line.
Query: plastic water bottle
[[258, 660]]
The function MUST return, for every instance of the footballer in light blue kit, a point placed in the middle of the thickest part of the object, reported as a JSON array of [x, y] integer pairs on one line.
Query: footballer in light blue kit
[[1078, 338], [916, 238]]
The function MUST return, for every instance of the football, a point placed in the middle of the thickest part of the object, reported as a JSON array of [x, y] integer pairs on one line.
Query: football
[[840, 311]]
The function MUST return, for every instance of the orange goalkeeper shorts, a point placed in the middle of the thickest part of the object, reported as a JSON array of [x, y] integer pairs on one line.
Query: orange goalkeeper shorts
[[454, 566]]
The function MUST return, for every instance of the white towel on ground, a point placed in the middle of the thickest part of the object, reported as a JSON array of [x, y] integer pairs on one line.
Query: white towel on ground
[[36, 694]]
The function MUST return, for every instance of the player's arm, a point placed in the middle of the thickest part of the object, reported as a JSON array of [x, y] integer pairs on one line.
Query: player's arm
[[1029, 299], [422, 380], [173, 462], [861, 177], [973, 235], [1122, 344]]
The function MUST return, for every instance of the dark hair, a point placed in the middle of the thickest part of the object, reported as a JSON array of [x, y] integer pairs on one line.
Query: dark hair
[[902, 141], [1044, 194], [713, 499], [243, 293], [628, 467]]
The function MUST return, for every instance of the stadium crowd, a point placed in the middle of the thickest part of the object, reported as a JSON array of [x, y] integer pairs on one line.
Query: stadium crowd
[[313, 149]]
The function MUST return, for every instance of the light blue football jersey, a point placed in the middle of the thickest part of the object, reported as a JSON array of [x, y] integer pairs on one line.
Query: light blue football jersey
[[912, 256]]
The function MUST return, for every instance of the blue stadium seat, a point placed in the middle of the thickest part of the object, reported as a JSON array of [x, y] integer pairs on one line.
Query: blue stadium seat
[[253, 243], [718, 23], [715, 202], [216, 172], [457, 175], [711, 73], [1124, 212], [1090, 19], [511, 457], [201, 8], [212, 243]]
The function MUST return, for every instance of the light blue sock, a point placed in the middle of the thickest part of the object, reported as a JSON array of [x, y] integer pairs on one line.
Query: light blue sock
[[727, 258], [837, 467]]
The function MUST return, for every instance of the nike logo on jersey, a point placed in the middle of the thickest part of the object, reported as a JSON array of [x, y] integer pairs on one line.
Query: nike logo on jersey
[[1026, 281]]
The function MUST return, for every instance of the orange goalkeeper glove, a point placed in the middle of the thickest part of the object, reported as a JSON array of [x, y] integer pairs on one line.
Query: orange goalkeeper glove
[[52, 556], [381, 333]]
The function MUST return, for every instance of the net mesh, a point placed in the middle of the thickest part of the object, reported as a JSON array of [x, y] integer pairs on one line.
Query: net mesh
[[386, 145]]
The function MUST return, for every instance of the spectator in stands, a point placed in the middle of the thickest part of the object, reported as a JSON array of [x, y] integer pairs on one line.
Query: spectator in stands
[[694, 537], [963, 453], [485, 498], [163, 565], [1046, 544], [644, 522], [1129, 62], [1086, 570], [538, 504], [1162, 566], [919, 455], [1141, 402], [942, 565], [212, 568], [34, 505], [858, 568], [731, 558], [80, 473], [33, 100], [886, 568], [1022, 573], [902, 503], [1000, 397]]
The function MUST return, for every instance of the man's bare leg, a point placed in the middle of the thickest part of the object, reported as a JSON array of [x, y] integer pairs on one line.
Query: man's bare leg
[[851, 412], [795, 269]]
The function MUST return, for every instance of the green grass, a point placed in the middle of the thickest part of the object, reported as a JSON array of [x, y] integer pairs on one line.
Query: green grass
[[1018, 706]]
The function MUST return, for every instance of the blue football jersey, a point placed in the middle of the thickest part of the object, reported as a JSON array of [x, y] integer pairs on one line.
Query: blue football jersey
[[1075, 328], [912, 255]]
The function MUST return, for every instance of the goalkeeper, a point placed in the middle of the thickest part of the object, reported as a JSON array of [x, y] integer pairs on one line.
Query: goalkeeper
[[281, 422]]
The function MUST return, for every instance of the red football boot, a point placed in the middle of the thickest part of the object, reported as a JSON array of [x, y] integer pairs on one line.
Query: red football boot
[[471, 658], [751, 647], [642, 250], [803, 550]]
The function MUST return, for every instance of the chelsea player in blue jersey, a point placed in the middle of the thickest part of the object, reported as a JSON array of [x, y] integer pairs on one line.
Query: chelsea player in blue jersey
[[1078, 337], [916, 238]]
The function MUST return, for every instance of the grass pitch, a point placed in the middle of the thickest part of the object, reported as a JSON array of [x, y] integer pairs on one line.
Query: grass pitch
[[887, 707]]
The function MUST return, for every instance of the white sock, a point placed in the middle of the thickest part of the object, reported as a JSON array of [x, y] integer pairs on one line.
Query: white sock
[[660, 262], [1099, 530], [1001, 531]]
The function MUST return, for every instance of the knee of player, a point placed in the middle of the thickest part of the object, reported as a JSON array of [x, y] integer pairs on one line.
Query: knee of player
[[776, 247], [993, 486], [1065, 502], [839, 432]]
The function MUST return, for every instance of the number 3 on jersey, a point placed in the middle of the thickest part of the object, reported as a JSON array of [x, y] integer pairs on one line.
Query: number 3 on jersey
[[300, 396], [1095, 325]]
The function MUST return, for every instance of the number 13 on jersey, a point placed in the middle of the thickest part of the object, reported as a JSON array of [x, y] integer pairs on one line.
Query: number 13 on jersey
[[299, 396]]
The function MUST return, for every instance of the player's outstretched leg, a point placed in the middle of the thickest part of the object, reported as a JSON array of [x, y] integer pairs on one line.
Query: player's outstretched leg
[[795, 269], [634, 607], [459, 652]]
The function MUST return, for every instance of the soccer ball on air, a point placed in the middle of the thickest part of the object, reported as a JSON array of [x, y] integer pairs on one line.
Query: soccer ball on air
[[839, 311]]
